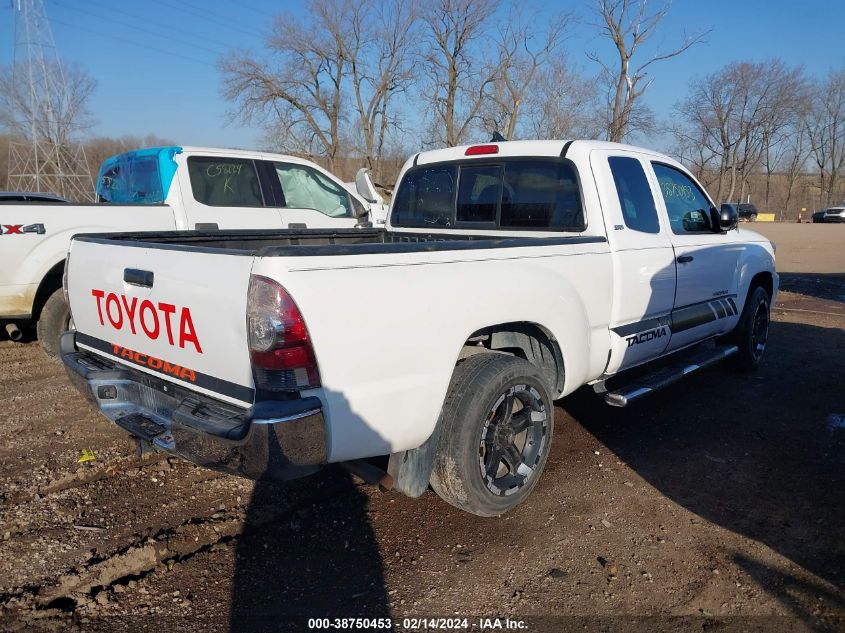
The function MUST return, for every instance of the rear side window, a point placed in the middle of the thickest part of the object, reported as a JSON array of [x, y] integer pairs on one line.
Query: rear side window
[[540, 195], [224, 182], [635, 197], [131, 180]]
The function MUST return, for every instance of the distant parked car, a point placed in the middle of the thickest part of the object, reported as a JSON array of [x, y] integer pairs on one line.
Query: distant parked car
[[834, 214], [818, 216], [28, 196], [745, 211]]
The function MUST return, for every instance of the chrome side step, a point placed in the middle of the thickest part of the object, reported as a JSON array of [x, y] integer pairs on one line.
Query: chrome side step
[[666, 376]]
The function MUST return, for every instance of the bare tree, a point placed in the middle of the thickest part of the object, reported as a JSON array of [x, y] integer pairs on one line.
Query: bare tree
[[380, 47], [524, 48], [298, 95], [63, 118], [331, 77], [794, 159], [733, 111], [826, 133], [781, 119], [5, 141], [629, 24], [460, 76], [562, 103], [691, 148]]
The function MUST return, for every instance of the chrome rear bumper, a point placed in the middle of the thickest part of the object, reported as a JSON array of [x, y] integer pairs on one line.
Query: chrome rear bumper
[[282, 439]]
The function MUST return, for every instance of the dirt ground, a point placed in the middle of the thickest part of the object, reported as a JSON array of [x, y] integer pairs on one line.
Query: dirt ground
[[718, 505]]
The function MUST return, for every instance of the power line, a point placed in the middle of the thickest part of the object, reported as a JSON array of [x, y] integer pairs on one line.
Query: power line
[[160, 26], [227, 19], [140, 29], [125, 40], [203, 15], [245, 5]]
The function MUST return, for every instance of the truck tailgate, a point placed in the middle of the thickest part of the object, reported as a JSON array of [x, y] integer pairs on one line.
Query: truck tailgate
[[178, 313]]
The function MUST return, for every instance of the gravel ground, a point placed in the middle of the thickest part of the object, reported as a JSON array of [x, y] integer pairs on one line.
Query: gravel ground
[[716, 505]]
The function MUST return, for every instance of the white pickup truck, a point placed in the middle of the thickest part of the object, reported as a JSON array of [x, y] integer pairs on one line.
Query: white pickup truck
[[507, 276], [163, 189]]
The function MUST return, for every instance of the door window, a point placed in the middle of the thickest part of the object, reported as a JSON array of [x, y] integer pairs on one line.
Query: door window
[[687, 206], [224, 182], [635, 197], [304, 187]]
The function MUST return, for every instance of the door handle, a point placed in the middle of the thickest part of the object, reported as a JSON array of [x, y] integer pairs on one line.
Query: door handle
[[135, 277], [685, 259]]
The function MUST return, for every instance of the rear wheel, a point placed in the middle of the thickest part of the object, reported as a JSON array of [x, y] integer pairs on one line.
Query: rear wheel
[[752, 331], [53, 322], [497, 421]]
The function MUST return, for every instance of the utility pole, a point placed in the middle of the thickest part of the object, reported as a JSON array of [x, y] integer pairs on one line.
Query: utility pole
[[47, 159]]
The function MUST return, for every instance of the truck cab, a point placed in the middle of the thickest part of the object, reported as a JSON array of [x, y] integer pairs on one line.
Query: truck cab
[[230, 189]]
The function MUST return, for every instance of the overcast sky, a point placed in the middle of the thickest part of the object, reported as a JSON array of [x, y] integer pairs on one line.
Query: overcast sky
[[154, 60]]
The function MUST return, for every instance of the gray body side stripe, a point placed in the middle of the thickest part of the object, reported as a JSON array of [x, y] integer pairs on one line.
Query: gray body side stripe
[[684, 318], [642, 326]]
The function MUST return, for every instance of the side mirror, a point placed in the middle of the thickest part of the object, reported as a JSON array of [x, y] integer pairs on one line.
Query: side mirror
[[728, 217], [366, 188], [359, 210]]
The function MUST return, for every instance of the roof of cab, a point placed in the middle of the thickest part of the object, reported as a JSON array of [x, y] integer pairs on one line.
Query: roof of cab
[[222, 151], [521, 148], [245, 153]]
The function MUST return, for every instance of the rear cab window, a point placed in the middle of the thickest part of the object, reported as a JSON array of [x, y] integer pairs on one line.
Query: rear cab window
[[510, 194]]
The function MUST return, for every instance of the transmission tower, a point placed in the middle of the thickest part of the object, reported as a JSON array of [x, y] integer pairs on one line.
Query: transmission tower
[[48, 159]]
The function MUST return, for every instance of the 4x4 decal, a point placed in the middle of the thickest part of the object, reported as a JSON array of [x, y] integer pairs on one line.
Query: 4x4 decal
[[20, 229]]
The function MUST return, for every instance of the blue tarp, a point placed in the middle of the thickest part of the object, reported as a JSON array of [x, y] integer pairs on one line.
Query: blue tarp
[[138, 177]]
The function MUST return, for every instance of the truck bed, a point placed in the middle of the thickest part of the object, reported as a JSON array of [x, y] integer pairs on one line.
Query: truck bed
[[311, 242]]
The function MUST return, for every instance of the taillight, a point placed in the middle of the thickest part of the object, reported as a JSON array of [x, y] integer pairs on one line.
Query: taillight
[[476, 150], [282, 356]]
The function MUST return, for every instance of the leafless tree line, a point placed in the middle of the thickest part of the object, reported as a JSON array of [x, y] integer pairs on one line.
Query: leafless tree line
[[354, 77], [357, 74], [750, 124], [373, 80]]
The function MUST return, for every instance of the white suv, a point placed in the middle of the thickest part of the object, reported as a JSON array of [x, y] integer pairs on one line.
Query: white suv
[[834, 214]]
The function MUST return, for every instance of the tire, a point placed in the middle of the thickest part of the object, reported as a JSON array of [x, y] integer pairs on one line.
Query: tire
[[484, 463], [752, 332], [53, 322], [753, 217]]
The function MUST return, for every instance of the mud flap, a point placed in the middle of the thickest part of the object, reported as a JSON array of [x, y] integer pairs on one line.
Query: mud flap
[[411, 469]]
